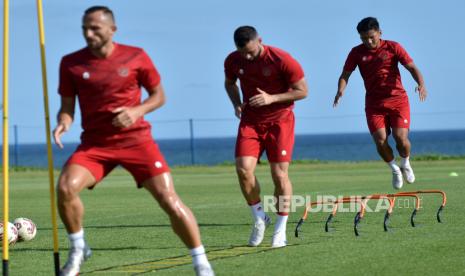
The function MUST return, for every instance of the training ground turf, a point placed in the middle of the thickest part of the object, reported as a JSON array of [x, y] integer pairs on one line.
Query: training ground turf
[[129, 234]]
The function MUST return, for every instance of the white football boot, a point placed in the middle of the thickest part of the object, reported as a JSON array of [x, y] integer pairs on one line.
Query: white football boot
[[75, 258], [407, 172], [397, 181], [204, 270], [279, 239], [258, 231]]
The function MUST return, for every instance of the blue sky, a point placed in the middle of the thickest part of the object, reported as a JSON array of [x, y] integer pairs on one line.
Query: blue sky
[[188, 41]]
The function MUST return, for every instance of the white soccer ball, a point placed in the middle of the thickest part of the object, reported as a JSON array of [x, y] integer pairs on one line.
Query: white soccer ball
[[27, 229], [12, 233]]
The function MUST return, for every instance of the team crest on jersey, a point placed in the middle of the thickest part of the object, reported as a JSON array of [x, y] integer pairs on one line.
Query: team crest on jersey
[[123, 71], [383, 56], [86, 75], [241, 71], [266, 71]]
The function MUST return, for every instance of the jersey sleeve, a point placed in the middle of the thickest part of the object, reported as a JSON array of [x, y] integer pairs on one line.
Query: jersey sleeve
[[351, 61], [292, 69], [229, 68], [148, 75], [66, 86], [402, 55]]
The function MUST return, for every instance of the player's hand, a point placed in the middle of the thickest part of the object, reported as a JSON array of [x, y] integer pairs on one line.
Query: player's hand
[[337, 98], [422, 93], [238, 110], [126, 116], [59, 130], [261, 99]]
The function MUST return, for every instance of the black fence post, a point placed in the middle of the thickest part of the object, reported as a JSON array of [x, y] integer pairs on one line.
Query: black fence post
[[191, 127], [16, 148]]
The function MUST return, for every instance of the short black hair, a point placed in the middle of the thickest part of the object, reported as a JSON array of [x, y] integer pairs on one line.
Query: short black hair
[[367, 24], [244, 34], [106, 10]]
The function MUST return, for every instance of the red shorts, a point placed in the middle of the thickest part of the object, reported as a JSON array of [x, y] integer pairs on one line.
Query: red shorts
[[143, 161], [397, 116], [276, 138]]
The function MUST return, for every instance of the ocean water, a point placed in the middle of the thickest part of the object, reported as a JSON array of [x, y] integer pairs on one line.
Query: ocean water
[[210, 151]]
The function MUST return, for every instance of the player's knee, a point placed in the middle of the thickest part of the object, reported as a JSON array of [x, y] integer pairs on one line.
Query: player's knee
[[67, 187], [380, 141], [65, 191], [172, 205], [401, 140], [244, 173], [280, 177]]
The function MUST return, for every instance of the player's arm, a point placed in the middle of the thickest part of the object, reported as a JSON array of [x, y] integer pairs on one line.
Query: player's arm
[[341, 86], [298, 91], [129, 115], [234, 95], [65, 118], [418, 77]]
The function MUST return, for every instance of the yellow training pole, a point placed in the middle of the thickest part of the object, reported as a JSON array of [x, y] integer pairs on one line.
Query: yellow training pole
[[5, 137], [49, 141]]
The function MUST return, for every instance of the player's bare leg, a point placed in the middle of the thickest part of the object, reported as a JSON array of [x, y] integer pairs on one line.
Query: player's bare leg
[[400, 135], [245, 168], [182, 220], [283, 194], [403, 147], [72, 181], [380, 137]]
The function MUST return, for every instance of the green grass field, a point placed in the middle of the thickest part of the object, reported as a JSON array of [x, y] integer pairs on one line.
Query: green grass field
[[130, 235]]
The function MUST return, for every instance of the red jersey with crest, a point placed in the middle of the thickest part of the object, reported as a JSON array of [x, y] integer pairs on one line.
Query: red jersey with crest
[[273, 72], [380, 72], [104, 84]]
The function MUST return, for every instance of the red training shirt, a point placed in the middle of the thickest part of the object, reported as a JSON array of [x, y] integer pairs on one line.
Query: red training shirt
[[102, 85], [380, 72], [273, 72]]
